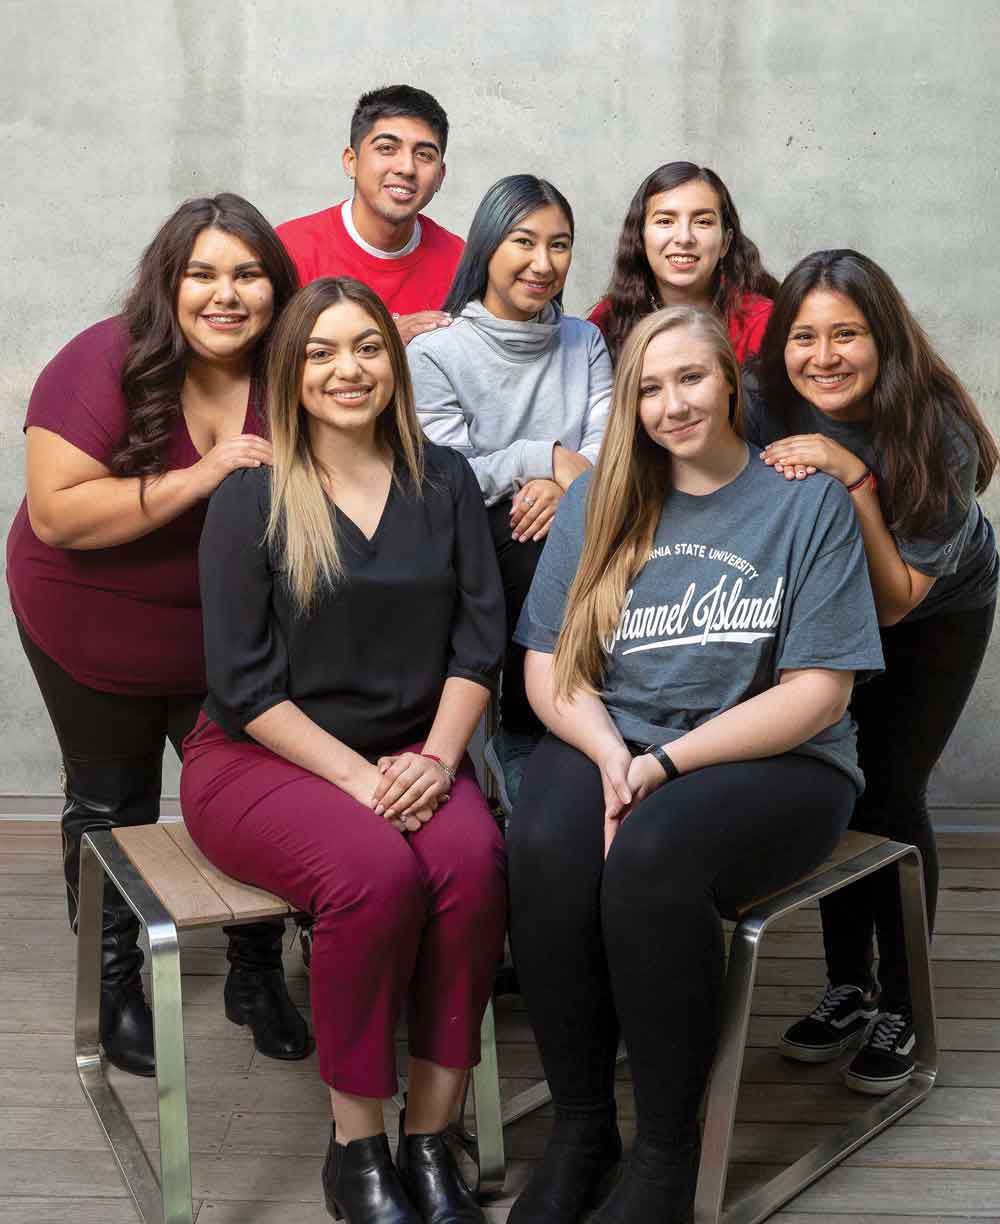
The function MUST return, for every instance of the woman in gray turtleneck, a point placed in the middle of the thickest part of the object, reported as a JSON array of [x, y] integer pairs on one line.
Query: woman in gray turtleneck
[[523, 392]]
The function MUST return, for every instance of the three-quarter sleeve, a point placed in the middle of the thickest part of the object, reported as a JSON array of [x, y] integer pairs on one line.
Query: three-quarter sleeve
[[478, 629], [245, 655]]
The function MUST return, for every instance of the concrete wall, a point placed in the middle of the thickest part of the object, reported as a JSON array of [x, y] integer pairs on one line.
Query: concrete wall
[[874, 125]]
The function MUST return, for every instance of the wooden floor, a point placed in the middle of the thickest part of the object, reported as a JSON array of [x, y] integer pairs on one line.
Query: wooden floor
[[259, 1128]]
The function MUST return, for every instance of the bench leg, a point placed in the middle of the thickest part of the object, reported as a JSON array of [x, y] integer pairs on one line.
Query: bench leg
[[489, 1120], [911, 891], [171, 1079], [99, 854], [724, 1086]]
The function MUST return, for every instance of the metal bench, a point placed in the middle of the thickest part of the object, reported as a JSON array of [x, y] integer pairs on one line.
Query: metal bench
[[171, 886], [857, 855]]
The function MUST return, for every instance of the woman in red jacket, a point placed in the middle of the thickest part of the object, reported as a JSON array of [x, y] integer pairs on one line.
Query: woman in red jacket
[[681, 244]]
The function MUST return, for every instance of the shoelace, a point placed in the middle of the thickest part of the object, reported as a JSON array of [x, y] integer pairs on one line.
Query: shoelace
[[830, 1002], [887, 1030]]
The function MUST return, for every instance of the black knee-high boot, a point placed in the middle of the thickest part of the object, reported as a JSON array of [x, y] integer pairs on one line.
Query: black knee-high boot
[[102, 795]]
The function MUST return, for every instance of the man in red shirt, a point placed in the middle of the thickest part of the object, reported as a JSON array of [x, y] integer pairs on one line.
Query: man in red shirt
[[396, 159]]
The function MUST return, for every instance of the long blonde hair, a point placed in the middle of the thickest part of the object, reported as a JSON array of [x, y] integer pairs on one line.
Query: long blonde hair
[[624, 502], [300, 528]]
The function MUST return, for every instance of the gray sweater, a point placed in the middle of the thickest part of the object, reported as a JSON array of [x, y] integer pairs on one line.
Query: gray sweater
[[503, 393]]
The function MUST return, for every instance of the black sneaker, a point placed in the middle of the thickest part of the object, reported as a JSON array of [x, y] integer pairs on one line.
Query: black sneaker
[[885, 1062], [840, 1022]]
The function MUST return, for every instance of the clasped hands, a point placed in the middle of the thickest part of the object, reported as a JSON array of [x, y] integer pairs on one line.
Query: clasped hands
[[626, 780], [409, 790]]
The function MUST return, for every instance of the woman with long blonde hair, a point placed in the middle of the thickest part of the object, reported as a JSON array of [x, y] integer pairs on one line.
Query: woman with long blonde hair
[[353, 630], [692, 637]]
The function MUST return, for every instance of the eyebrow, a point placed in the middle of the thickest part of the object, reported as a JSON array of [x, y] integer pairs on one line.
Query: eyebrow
[[371, 331], [841, 323], [672, 212], [524, 229], [419, 144], [241, 267]]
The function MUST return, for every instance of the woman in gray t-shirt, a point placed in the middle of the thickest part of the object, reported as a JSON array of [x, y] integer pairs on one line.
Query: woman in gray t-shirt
[[693, 632], [849, 386]]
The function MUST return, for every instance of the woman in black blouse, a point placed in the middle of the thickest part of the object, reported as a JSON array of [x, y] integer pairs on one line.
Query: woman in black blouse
[[354, 628]]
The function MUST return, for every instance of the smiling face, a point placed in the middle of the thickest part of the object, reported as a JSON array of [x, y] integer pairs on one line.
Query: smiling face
[[397, 170], [347, 380], [529, 267], [225, 300], [684, 396], [831, 356], [684, 241]]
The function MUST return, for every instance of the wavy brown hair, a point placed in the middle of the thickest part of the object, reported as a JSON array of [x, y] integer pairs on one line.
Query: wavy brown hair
[[625, 501], [633, 292], [914, 396], [156, 362], [300, 527]]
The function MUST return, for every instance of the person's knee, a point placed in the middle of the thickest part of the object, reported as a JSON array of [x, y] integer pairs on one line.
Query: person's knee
[[387, 890], [650, 865]]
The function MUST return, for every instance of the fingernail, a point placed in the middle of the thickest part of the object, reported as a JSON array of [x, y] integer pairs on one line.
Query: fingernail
[[378, 810]]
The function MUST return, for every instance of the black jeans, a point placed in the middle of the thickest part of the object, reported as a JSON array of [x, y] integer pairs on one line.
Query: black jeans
[[119, 740], [638, 940], [905, 718], [517, 568]]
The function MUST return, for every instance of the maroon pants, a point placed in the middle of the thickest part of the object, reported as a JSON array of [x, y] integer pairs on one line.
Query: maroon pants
[[416, 919]]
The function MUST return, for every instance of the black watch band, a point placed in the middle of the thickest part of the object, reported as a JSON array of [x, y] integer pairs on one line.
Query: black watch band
[[658, 753]]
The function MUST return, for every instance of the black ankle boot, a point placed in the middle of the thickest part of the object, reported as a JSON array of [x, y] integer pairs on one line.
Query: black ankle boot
[[579, 1165], [361, 1184], [256, 993], [657, 1183], [430, 1176], [103, 795]]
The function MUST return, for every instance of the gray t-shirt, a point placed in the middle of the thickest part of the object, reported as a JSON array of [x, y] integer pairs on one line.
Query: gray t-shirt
[[759, 577], [961, 554]]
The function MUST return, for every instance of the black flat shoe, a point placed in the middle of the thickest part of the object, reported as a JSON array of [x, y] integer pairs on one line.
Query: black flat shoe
[[361, 1185], [578, 1168], [430, 1175], [259, 999]]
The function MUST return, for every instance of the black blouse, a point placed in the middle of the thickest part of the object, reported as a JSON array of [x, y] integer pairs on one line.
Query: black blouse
[[421, 601]]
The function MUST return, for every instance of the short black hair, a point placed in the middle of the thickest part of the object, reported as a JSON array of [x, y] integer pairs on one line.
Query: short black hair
[[403, 100]]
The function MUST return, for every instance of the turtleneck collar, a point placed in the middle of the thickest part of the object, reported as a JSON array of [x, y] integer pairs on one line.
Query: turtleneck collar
[[511, 338]]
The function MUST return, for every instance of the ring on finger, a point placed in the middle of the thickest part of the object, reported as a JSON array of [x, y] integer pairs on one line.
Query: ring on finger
[[529, 501]]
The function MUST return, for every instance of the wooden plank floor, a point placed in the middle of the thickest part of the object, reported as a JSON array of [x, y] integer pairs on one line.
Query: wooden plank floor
[[259, 1128]]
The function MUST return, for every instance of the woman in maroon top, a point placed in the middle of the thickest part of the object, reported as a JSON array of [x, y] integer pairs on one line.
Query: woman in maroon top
[[129, 430], [682, 245]]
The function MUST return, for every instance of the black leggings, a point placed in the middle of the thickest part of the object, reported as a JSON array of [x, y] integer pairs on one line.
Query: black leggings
[[905, 718], [517, 563], [638, 940]]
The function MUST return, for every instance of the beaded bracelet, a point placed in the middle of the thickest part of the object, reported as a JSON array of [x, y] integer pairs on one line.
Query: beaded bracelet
[[447, 769]]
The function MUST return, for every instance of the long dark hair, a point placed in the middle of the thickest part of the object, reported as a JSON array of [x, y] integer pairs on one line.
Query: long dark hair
[[913, 396], [503, 207], [156, 361], [633, 292], [300, 526]]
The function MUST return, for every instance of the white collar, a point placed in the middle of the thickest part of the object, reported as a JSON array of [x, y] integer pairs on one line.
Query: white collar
[[411, 246]]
